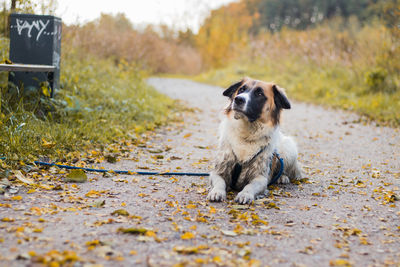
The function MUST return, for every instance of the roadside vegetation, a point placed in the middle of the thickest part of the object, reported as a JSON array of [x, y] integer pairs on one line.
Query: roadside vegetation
[[350, 61], [99, 103], [343, 54], [355, 69], [103, 100]]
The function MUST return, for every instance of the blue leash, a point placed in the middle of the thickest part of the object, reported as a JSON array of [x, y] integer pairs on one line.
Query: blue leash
[[274, 179], [122, 172]]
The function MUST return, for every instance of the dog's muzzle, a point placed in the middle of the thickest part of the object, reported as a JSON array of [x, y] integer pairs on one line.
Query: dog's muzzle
[[239, 101], [238, 107]]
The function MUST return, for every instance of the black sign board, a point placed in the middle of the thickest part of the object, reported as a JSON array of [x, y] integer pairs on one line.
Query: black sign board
[[35, 39]]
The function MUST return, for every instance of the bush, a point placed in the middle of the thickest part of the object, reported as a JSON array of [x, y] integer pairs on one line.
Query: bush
[[375, 80], [99, 103]]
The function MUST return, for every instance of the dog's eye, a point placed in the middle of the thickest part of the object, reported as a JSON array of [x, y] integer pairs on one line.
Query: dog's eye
[[241, 90], [259, 92]]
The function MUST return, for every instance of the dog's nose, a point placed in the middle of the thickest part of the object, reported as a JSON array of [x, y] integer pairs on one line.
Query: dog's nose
[[239, 100]]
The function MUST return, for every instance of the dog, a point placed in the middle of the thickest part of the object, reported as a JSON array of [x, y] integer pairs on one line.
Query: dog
[[249, 140]]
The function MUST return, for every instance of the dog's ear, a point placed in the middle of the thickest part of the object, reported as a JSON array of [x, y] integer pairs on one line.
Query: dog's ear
[[232, 89], [280, 98]]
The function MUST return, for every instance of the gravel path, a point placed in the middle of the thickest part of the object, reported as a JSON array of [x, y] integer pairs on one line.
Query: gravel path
[[346, 213]]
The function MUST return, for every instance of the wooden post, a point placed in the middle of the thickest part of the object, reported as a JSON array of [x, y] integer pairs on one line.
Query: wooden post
[[12, 10]]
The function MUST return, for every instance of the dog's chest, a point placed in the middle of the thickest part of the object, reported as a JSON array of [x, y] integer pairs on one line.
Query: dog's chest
[[244, 151], [244, 143]]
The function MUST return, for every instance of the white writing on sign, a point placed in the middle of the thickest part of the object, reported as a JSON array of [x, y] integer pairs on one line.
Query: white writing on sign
[[39, 25]]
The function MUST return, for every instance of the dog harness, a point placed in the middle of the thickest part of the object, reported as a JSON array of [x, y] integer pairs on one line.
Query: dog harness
[[237, 169]]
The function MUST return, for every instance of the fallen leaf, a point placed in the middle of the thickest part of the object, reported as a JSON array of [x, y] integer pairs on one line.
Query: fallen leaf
[[340, 262], [187, 235], [187, 135], [22, 178], [110, 158], [133, 231], [228, 233], [186, 250], [93, 194], [16, 198], [47, 144], [76, 176], [6, 219], [98, 204], [121, 212]]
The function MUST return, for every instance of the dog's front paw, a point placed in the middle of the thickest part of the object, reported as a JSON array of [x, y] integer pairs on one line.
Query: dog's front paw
[[216, 195], [283, 180], [244, 198]]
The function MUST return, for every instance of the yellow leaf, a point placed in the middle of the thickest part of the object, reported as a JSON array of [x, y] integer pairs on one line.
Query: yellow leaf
[[6, 219], [187, 235], [32, 253], [93, 243], [364, 241], [16, 198], [151, 234], [121, 212], [93, 194], [217, 259], [340, 262], [45, 91], [133, 231], [47, 144], [355, 231], [186, 250], [187, 135]]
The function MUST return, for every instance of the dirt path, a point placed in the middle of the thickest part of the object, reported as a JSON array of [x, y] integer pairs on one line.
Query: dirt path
[[347, 213]]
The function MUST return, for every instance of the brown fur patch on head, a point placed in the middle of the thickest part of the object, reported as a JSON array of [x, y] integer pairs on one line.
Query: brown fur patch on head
[[276, 99], [268, 117]]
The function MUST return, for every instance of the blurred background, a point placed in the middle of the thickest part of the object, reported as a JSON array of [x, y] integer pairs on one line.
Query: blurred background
[[339, 53]]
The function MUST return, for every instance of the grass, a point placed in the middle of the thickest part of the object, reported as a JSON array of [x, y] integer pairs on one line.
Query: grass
[[99, 103]]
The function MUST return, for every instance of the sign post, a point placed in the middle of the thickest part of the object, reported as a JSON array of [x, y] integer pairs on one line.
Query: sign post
[[35, 39]]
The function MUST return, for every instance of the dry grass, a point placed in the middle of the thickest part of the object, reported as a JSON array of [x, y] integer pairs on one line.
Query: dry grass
[[114, 37]]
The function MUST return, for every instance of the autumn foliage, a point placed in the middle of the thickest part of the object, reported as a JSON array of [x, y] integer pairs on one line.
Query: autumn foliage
[[114, 37], [224, 34], [349, 59]]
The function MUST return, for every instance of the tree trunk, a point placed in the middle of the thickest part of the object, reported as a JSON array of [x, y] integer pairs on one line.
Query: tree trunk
[[13, 5]]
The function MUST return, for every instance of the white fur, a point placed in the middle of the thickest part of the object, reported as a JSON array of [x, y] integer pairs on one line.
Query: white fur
[[245, 139]]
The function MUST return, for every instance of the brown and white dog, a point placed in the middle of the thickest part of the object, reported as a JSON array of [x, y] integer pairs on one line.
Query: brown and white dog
[[249, 137]]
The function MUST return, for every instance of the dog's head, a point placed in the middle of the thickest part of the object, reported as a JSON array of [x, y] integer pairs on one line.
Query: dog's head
[[256, 101]]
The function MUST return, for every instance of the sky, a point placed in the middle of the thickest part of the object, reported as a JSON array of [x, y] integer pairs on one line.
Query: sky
[[178, 14]]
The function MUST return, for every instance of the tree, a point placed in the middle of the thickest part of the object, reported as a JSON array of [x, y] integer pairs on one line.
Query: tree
[[223, 32]]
